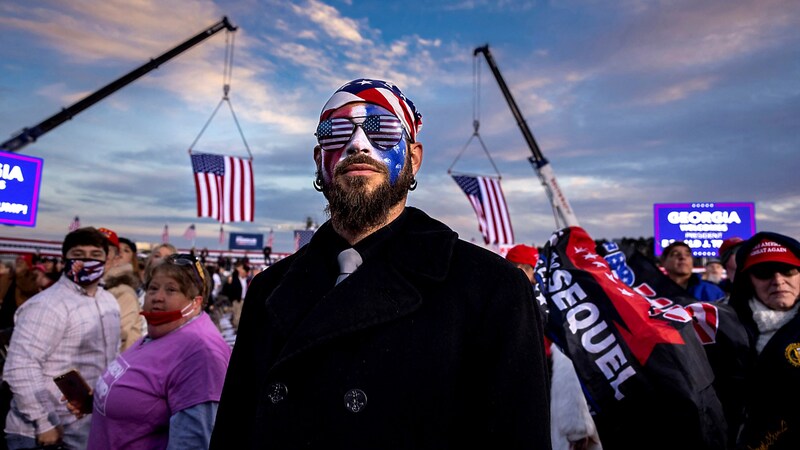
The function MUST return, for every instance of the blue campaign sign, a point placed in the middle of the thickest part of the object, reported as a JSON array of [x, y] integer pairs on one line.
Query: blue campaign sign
[[703, 226], [20, 177], [246, 241]]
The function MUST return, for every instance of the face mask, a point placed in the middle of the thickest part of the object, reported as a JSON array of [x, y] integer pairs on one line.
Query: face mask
[[156, 318], [84, 271]]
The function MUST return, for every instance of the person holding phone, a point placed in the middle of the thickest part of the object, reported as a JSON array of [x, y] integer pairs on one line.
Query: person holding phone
[[163, 392], [74, 324]]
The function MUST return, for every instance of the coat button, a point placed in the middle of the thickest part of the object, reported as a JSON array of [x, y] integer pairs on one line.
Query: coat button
[[277, 392], [355, 400]]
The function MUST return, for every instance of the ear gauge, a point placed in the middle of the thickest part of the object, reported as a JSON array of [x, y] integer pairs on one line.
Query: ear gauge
[[318, 183], [413, 184]]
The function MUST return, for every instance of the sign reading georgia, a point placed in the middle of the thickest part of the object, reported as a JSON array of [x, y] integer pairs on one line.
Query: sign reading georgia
[[703, 226], [20, 177]]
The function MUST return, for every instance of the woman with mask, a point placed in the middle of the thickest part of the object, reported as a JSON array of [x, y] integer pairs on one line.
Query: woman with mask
[[162, 393], [765, 296]]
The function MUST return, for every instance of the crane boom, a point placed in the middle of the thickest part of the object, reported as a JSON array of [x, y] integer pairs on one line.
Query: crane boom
[[562, 211], [30, 134]]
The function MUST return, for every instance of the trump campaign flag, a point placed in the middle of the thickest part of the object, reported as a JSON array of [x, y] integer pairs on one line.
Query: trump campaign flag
[[643, 373], [224, 186], [486, 197]]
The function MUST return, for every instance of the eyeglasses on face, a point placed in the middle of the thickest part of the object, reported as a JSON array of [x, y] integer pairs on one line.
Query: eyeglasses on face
[[767, 271], [384, 131]]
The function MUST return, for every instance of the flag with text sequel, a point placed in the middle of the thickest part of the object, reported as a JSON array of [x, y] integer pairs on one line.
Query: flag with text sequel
[[629, 357], [224, 186], [489, 203]]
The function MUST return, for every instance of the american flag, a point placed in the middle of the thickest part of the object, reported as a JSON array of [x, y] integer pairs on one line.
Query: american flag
[[486, 197], [301, 238], [384, 130], [165, 235], [271, 239], [191, 233], [224, 186], [75, 224]]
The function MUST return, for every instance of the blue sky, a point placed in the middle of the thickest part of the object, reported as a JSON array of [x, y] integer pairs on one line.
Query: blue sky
[[633, 103]]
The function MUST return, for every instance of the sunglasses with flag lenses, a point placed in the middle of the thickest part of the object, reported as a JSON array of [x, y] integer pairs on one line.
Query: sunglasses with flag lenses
[[768, 271], [384, 131], [195, 265]]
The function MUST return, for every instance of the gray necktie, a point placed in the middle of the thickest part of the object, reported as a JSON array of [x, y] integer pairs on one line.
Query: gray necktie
[[349, 260]]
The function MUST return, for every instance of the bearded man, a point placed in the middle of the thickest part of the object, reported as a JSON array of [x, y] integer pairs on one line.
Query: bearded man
[[385, 331]]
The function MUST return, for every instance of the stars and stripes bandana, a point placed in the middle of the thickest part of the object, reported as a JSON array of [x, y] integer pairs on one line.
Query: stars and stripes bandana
[[381, 93]]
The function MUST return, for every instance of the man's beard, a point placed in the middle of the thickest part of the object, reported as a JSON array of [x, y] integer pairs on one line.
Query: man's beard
[[352, 207]]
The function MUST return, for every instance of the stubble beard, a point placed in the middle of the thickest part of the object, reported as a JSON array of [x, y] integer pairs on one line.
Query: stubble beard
[[351, 205]]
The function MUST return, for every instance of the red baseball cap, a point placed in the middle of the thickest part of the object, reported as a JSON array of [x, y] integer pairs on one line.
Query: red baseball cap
[[728, 248], [112, 236], [770, 251], [523, 254]]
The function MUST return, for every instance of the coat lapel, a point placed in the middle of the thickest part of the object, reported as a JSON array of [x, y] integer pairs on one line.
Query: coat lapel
[[308, 310]]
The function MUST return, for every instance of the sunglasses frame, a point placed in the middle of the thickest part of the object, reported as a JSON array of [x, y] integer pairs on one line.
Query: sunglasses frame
[[403, 133], [186, 260], [768, 272]]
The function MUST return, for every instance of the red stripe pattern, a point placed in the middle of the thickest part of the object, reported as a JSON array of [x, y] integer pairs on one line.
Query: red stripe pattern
[[224, 187], [487, 199]]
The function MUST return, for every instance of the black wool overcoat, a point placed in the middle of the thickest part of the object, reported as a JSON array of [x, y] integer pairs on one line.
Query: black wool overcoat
[[433, 343]]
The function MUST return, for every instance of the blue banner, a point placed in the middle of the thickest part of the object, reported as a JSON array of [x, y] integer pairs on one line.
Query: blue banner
[[702, 226], [246, 241], [20, 177]]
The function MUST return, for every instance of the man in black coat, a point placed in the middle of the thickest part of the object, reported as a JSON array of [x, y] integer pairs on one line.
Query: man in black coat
[[431, 343]]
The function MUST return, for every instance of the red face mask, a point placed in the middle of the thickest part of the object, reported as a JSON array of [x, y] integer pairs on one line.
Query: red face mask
[[156, 318]]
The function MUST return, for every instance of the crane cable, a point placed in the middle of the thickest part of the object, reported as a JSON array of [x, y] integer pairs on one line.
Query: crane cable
[[476, 123], [227, 73]]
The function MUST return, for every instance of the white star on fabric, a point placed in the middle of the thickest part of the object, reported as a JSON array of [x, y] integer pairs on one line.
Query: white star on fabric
[[625, 292], [362, 82], [591, 256], [598, 264], [579, 250], [611, 277]]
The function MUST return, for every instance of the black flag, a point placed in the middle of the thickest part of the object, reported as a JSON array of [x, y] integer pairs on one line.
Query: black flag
[[646, 375]]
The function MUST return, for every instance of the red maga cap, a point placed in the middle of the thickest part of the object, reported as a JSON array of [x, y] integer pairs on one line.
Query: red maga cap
[[523, 254], [728, 247], [112, 237], [770, 251]]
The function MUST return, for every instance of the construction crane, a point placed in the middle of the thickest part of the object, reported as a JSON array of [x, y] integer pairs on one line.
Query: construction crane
[[562, 211], [31, 134]]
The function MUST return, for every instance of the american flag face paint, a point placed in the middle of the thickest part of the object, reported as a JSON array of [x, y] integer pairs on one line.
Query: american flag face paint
[[384, 131], [362, 128]]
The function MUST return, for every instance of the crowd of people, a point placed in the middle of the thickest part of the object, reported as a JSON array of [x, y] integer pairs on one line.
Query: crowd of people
[[385, 331]]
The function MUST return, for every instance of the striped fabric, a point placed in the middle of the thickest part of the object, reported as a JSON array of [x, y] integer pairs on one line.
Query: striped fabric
[[489, 203], [224, 186]]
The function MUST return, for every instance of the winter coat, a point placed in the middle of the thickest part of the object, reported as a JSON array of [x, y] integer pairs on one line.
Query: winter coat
[[433, 343], [121, 282], [771, 394]]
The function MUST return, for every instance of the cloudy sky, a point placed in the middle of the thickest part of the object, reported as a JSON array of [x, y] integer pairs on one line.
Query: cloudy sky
[[633, 102]]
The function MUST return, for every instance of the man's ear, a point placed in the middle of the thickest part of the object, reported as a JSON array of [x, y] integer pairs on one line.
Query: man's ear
[[415, 152], [318, 156]]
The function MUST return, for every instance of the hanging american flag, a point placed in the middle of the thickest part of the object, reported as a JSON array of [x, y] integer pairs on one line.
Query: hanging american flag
[[165, 235], [486, 197], [302, 237], [224, 186], [75, 224], [191, 233]]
